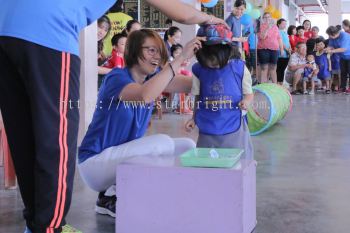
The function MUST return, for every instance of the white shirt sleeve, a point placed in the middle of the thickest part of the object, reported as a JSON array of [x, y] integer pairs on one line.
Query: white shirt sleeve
[[195, 86], [247, 82]]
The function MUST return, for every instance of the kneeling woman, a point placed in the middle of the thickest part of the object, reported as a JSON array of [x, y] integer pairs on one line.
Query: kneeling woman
[[123, 111]]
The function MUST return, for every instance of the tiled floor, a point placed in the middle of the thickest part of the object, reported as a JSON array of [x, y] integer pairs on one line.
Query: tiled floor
[[303, 174]]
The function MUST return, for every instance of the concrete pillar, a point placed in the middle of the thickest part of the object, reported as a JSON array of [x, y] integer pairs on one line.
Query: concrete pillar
[[188, 31], [292, 15], [228, 6], [334, 12], [88, 77]]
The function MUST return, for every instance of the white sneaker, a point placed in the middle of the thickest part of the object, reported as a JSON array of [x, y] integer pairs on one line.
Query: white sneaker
[[311, 92]]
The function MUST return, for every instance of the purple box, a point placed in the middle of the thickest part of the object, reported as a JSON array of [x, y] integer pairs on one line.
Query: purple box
[[175, 199]]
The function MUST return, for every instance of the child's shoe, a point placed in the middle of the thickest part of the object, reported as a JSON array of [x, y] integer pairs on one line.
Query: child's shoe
[[305, 92], [311, 92], [328, 92]]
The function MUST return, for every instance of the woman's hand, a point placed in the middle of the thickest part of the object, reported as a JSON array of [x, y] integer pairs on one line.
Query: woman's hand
[[214, 20], [243, 39], [189, 126], [328, 50], [192, 47], [283, 53], [240, 39]]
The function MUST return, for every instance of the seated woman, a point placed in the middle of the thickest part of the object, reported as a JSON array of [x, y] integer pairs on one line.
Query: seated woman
[[123, 111]]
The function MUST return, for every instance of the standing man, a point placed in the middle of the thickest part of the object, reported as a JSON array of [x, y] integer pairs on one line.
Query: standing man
[[39, 67], [39, 74]]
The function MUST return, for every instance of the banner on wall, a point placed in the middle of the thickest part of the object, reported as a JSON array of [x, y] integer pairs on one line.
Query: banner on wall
[[118, 20], [118, 23], [151, 17]]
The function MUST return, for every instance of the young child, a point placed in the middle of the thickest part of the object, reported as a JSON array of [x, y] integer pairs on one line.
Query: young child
[[335, 61], [323, 62], [181, 98], [310, 74], [116, 60], [300, 35], [223, 91]]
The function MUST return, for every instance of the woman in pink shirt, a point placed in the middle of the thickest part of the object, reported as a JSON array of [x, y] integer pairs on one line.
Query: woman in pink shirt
[[270, 43]]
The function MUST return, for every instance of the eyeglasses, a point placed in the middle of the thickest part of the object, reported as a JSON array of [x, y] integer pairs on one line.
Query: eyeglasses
[[151, 50]]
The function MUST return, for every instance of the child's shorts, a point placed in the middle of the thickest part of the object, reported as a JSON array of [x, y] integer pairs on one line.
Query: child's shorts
[[306, 79], [239, 139], [325, 78], [335, 72]]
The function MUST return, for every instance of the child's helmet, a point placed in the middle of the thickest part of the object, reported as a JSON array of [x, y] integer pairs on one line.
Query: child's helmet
[[215, 34]]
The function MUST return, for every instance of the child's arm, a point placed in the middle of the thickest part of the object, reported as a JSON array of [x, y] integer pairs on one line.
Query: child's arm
[[329, 62], [248, 94], [315, 70], [246, 101], [190, 124]]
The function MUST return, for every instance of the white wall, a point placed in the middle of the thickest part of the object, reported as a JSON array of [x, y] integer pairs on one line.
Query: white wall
[[292, 15], [321, 21], [334, 12], [346, 7]]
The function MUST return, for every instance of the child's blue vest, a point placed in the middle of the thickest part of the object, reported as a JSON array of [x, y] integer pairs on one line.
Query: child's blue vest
[[323, 65], [308, 71], [220, 92], [335, 59]]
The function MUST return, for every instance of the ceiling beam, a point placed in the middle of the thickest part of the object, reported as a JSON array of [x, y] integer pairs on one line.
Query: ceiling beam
[[321, 5], [296, 6]]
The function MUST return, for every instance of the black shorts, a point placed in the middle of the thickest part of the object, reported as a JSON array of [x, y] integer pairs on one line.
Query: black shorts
[[267, 56]]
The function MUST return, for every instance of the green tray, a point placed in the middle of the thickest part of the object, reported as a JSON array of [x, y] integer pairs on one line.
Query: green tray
[[200, 157]]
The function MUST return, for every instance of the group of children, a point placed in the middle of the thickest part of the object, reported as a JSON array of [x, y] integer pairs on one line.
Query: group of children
[[323, 70]]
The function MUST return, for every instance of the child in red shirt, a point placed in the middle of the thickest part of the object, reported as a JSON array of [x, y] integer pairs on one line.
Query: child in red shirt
[[116, 60], [300, 35]]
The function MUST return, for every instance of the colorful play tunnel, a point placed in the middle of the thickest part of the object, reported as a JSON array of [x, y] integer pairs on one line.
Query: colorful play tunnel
[[271, 104]]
